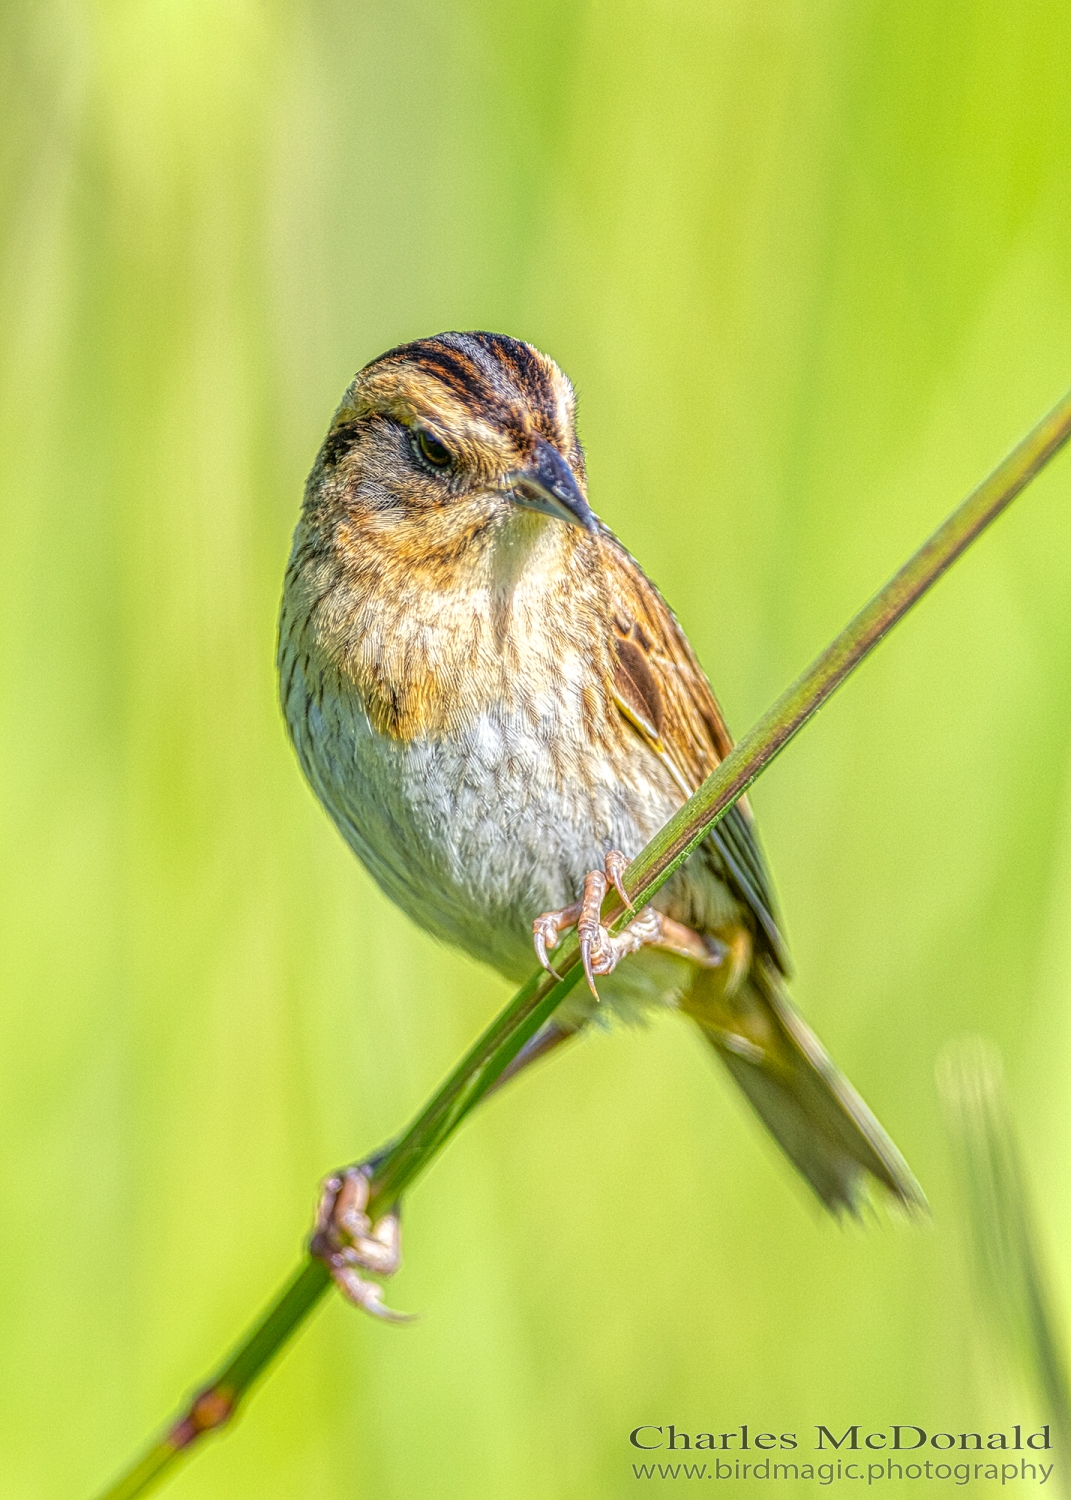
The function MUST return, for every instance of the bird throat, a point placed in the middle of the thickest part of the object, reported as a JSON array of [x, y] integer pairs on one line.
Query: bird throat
[[430, 647]]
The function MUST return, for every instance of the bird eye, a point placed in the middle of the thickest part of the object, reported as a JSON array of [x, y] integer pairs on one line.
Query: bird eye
[[431, 450]]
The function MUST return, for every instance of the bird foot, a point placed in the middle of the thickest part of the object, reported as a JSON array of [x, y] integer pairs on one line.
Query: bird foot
[[347, 1241], [600, 950], [547, 929]]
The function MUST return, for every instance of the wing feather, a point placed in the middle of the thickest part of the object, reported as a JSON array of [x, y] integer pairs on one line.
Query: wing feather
[[664, 693]]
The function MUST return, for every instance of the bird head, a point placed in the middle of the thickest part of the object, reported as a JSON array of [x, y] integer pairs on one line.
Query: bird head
[[450, 438]]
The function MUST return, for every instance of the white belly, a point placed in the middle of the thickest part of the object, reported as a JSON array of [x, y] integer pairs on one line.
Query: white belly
[[473, 835]]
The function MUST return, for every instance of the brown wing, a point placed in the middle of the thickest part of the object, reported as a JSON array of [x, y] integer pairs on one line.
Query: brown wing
[[662, 690]]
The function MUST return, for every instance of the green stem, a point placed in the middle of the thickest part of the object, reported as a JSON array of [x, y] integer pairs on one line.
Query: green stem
[[406, 1158]]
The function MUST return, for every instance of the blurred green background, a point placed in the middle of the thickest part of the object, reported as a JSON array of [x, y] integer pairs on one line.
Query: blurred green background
[[809, 266]]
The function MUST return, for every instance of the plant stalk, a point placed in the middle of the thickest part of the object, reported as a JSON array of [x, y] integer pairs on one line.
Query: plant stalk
[[398, 1167]]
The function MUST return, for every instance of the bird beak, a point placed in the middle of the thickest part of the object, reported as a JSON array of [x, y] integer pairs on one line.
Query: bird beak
[[549, 486]]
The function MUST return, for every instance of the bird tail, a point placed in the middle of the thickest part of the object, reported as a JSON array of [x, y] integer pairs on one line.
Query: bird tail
[[810, 1108]]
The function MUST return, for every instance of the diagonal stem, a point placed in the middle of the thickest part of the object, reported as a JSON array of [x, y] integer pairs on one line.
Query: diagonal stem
[[398, 1167]]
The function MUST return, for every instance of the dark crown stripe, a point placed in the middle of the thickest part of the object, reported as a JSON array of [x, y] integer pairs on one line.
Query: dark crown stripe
[[488, 371], [453, 368], [524, 370], [459, 374]]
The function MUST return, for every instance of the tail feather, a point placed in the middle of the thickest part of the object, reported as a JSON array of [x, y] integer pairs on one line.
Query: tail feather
[[809, 1107]]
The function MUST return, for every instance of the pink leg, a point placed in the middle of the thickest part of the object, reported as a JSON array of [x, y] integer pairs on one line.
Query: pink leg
[[347, 1241], [601, 951]]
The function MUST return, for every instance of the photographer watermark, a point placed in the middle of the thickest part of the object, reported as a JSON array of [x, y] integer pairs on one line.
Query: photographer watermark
[[957, 1457]]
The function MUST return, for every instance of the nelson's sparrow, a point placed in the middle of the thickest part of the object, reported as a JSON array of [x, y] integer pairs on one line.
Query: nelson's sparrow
[[497, 709]]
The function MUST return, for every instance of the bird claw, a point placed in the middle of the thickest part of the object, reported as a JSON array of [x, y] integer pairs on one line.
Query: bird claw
[[347, 1241], [600, 951], [615, 866], [547, 929]]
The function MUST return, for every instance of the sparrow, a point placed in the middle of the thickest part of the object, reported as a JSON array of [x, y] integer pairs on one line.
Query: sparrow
[[498, 710]]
